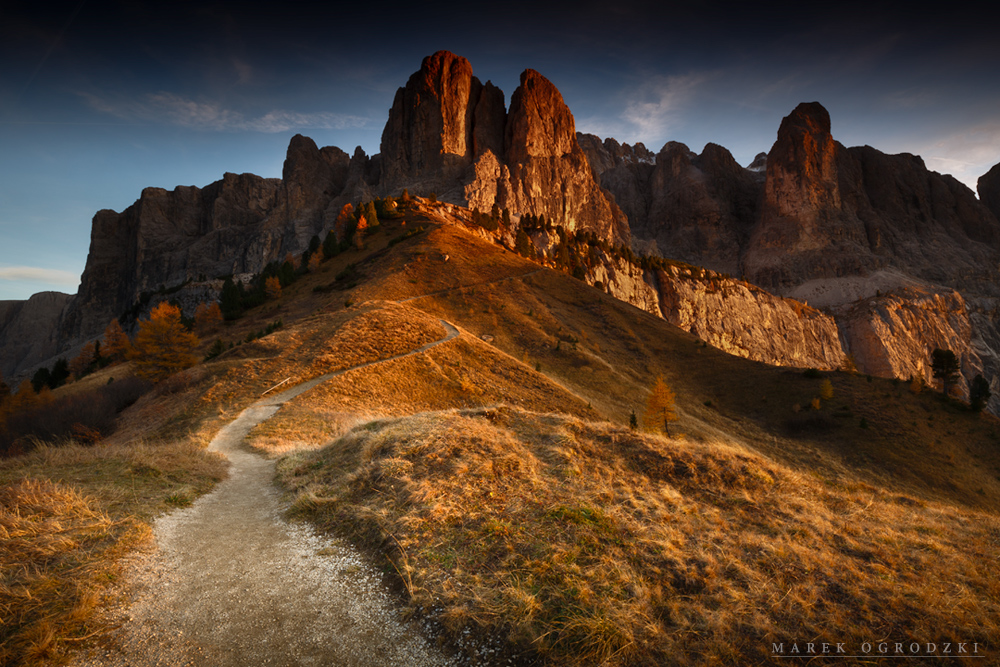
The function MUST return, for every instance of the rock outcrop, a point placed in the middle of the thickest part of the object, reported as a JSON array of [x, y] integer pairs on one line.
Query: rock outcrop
[[29, 331], [449, 134], [830, 211], [893, 334], [695, 208], [440, 122], [746, 321], [989, 190]]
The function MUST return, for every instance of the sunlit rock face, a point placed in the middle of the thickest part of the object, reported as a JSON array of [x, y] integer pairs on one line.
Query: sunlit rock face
[[546, 171], [890, 335], [803, 231], [439, 123], [451, 135], [748, 322]]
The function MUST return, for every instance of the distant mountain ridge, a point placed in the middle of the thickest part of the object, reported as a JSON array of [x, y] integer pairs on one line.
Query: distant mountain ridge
[[812, 218]]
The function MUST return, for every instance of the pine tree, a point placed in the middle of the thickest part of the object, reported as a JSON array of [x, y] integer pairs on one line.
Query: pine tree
[[944, 365], [979, 393], [330, 245], [633, 422], [826, 390], [344, 219], [231, 300], [660, 408], [371, 215], [162, 345], [522, 244]]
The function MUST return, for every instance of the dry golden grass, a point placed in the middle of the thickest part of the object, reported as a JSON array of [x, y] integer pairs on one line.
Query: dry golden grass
[[463, 372], [590, 544], [57, 552], [69, 513], [610, 353]]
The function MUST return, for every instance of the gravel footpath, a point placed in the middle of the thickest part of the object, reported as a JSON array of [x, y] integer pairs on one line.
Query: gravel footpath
[[233, 583]]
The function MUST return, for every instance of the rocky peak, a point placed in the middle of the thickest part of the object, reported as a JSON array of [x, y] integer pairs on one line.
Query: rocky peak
[[989, 190], [539, 123], [439, 123], [802, 164], [609, 154], [759, 164]]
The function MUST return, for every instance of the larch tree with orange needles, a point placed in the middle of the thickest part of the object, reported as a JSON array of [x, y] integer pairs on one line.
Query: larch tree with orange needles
[[162, 345], [207, 316], [116, 343], [79, 365], [660, 408], [272, 287]]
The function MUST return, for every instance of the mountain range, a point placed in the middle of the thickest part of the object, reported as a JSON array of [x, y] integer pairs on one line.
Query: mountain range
[[814, 255]]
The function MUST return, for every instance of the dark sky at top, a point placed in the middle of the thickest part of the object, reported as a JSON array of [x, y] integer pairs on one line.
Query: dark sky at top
[[100, 99]]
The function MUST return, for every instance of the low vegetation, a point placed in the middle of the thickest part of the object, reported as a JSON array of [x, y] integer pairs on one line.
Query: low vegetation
[[589, 544]]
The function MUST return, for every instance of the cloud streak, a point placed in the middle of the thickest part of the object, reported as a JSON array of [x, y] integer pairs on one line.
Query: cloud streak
[[656, 108], [170, 109], [966, 154], [39, 275]]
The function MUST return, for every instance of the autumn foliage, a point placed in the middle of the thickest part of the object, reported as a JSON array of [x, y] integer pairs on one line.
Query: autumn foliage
[[272, 287], [207, 317], [79, 365], [660, 408], [162, 345], [116, 343]]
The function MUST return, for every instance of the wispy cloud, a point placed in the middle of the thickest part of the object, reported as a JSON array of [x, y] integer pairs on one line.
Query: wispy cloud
[[39, 275], [966, 154], [168, 108], [656, 108], [653, 111]]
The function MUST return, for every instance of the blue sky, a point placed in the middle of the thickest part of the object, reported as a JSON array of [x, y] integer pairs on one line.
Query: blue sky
[[101, 99]]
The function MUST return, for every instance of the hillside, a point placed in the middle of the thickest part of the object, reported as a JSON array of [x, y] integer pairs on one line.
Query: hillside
[[507, 450]]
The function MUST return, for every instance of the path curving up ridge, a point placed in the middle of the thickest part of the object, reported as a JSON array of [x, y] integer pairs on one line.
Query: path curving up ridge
[[233, 583]]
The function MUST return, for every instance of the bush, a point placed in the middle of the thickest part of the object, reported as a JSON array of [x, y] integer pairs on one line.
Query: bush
[[87, 415]]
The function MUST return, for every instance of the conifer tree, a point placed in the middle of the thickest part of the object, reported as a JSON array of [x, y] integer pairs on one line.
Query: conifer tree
[[231, 300], [207, 316], [116, 343], [272, 287], [162, 345], [979, 393], [660, 408], [944, 365], [80, 363]]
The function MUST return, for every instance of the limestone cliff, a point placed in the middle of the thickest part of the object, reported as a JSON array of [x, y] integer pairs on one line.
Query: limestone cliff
[[449, 134], [29, 331], [694, 208], [830, 211], [893, 335], [439, 123]]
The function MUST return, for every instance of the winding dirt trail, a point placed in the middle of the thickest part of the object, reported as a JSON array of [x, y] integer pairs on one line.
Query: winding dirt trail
[[234, 583]]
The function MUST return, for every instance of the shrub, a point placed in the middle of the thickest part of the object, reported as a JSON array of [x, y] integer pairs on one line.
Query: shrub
[[88, 415]]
